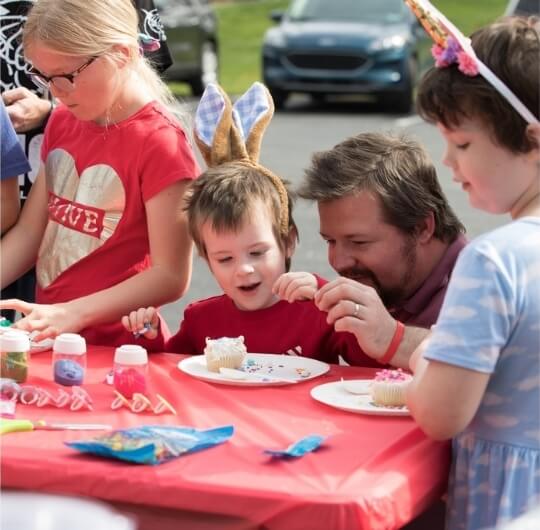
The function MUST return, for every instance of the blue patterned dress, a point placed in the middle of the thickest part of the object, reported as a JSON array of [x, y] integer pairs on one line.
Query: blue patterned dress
[[490, 323]]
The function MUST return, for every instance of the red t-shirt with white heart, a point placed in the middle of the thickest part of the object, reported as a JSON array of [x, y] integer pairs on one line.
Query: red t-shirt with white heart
[[98, 180]]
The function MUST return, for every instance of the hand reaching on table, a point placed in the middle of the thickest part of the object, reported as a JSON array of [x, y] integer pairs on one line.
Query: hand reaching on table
[[48, 319], [358, 309], [144, 321], [293, 286]]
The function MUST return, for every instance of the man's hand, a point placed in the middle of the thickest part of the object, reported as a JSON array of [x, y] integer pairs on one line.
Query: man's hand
[[26, 110], [357, 308], [293, 286]]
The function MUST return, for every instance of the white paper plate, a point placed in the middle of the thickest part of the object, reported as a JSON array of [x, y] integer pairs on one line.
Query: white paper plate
[[356, 386], [335, 395], [286, 368]]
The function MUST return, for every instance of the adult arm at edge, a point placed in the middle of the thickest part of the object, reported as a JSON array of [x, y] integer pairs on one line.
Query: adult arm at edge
[[10, 205], [20, 245]]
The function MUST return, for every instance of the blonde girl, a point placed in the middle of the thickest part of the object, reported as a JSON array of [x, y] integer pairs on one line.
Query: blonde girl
[[103, 221]]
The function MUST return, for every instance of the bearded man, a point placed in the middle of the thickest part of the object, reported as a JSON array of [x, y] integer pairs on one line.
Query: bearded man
[[392, 237]]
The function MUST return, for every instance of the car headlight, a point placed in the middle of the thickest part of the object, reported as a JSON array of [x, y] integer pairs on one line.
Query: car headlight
[[275, 39], [387, 43]]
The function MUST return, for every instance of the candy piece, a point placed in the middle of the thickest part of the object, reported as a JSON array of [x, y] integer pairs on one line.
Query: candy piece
[[78, 403], [62, 399], [44, 398], [120, 401], [29, 395], [80, 398], [163, 405], [140, 403], [81, 393], [9, 389]]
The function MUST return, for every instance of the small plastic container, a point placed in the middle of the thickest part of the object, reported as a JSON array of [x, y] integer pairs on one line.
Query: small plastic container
[[130, 370], [69, 359], [15, 355]]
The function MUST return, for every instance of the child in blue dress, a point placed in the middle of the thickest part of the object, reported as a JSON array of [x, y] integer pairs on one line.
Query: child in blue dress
[[477, 378]]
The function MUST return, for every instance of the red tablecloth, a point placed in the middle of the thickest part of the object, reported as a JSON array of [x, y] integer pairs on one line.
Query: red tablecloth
[[375, 472]]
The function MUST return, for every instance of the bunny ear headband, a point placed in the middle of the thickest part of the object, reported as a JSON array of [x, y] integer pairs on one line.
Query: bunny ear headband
[[233, 133], [452, 47]]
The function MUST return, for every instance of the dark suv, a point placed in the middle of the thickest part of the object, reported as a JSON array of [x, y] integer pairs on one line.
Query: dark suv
[[326, 47], [523, 7], [191, 31]]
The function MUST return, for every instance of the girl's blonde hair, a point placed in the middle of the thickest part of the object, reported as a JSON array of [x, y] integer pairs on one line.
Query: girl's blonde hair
[[92, 28]]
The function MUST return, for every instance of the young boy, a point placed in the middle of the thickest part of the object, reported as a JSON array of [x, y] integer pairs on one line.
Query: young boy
[[234, 212]]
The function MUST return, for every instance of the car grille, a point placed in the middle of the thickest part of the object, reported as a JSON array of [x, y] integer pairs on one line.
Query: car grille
[[311, 61]]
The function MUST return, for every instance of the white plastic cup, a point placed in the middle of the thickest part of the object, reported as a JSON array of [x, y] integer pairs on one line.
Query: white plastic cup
[[69, 359]]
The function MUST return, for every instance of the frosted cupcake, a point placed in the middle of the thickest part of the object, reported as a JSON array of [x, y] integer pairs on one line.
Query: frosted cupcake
[[388, 388], [225, 352]]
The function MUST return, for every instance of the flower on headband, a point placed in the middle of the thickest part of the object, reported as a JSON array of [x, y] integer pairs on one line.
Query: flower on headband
[[452, 53], [467, 64], [437, 52]]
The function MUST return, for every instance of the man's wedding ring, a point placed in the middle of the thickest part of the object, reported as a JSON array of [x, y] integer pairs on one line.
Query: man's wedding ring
[[356, 309]]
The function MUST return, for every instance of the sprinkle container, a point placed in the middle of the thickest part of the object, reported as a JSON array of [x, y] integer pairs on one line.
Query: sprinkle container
[[69, 359], [15, 355], [130, 370]]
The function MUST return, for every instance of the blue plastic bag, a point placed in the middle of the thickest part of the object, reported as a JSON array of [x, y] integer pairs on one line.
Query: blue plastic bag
[[152, 444], [299, 448]]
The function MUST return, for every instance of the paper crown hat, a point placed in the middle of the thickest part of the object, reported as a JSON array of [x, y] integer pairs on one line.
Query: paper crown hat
[[452, 47]]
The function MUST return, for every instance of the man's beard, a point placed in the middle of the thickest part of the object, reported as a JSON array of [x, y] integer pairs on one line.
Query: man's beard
[[391, 296]]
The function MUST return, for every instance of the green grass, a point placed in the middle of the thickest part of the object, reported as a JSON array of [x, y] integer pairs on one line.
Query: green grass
[[242, 24], [469, 15], [241, 27]]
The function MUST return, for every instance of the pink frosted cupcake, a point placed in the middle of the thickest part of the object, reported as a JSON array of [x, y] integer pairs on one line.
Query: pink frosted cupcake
[[225, 352], [388, 388]]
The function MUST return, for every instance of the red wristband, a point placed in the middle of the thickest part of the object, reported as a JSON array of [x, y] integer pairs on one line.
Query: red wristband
[[394, 344]]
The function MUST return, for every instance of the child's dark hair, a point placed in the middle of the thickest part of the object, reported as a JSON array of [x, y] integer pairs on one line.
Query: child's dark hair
[[510, 47], [226, 195]]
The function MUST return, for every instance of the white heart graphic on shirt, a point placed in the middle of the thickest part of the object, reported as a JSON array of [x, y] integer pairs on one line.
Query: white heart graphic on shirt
[[84, 213]]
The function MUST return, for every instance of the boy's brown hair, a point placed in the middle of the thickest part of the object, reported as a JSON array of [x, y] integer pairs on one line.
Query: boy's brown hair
[[226, 195], [510, 47]]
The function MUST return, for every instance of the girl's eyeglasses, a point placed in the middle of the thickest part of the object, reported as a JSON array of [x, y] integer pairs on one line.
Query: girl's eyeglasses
[[63, 82]]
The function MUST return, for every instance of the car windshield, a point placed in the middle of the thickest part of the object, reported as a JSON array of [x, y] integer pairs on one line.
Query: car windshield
[[371, 11]]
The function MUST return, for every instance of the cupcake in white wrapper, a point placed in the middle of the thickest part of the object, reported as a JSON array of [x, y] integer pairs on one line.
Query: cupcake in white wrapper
[[225, 352], [388, 388]]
